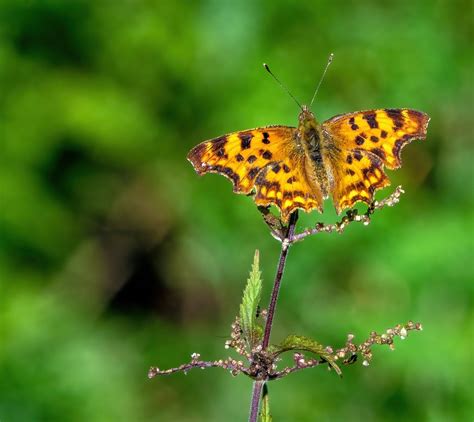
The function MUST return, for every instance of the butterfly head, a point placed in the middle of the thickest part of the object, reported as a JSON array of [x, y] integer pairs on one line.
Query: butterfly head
[[306, 118]]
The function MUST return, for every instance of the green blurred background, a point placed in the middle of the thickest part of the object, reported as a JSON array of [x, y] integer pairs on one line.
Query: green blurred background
[[115, 256]]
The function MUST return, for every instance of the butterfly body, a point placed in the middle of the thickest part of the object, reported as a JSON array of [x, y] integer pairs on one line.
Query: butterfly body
[[298, 167], [318, 149]]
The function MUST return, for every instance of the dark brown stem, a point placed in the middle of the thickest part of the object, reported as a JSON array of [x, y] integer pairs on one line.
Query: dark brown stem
[[285, 244], [255, 404]]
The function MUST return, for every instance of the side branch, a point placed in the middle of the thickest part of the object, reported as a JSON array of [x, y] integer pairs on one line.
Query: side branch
[[234, 366], [349, 354]]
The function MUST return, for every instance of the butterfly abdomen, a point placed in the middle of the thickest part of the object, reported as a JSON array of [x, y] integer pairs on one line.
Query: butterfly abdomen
[[314, 147], [311, 138]]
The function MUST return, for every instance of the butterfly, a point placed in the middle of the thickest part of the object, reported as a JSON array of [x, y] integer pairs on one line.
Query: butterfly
[[298, 167]]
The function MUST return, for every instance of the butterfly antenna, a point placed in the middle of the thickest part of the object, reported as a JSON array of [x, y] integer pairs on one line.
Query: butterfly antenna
[[331, 56], [283, 86]]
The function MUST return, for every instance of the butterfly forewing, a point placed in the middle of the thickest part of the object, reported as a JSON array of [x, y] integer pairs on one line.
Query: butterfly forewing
[[367, 141], [265, 161]]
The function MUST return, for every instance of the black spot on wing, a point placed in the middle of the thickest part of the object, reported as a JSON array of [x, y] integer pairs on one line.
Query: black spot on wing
[[218, 143], [245, 140], [253, 172], [371, 120], [221, 153], [396, 116], [352, 124], [266, 137], [378, 152], [298, 193]]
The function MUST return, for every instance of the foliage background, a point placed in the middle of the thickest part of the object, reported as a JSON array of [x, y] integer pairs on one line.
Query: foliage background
[[115, 256]]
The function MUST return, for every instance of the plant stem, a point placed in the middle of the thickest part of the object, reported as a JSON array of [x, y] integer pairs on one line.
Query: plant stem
[[255, 404], [285, 244]]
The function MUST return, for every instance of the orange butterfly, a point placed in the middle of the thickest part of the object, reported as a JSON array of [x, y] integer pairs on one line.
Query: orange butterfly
[[297, 168]]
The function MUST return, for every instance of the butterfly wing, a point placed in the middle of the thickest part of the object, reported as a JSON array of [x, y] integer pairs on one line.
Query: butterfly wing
[[266, 162], [365, 142]]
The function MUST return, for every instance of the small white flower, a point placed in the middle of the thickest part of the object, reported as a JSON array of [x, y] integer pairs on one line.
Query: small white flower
[[403, 333]]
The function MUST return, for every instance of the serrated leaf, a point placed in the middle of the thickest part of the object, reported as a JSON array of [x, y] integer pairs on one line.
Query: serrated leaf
[[252, 332], [294, 342], [265, 415], [302, 343]]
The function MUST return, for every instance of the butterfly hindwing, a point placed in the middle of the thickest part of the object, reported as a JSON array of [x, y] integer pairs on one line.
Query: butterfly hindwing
[[264, 161], [367, 141], [357, 179], [287, 185]]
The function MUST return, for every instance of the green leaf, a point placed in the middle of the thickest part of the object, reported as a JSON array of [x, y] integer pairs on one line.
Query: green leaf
[[294, 342], [265, 415], [252, 331]]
